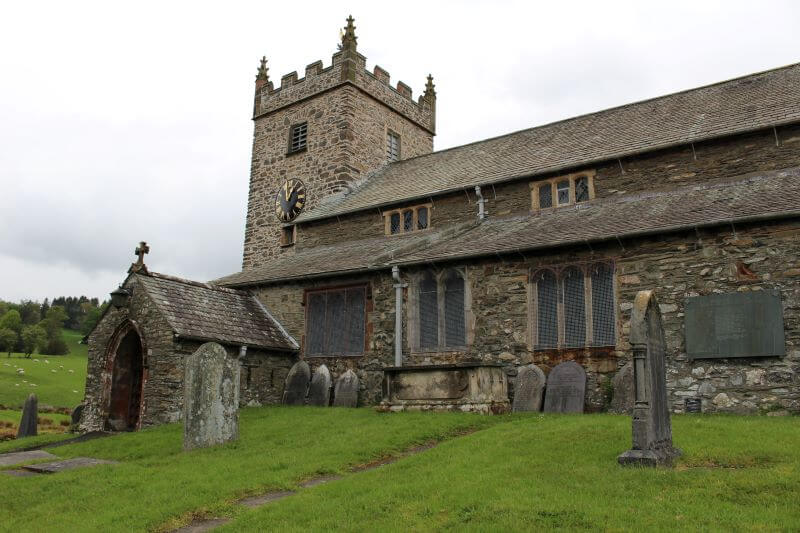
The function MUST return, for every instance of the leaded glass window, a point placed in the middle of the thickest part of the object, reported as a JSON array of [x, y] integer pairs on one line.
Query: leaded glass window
[[574, 308], [422, 218], [562, 190], [428, 312], [335, 321], [582, 189], [394, 223], [603, 305], [545, 196], [546, 310], [408, 220], [454, 330]]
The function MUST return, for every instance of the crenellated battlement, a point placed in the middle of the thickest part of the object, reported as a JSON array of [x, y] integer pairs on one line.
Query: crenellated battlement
[[347, 67]]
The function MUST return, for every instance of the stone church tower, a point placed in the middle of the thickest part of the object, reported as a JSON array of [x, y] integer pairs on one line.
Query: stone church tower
[[327, 130]]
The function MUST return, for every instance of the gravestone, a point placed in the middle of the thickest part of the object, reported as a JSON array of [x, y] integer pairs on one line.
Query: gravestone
[[30, 417], [566, 387], [296, 386], [622, 401], [210, 397], [652, 430], [345, 394], [528, 389], [319, 392], [76, 414]]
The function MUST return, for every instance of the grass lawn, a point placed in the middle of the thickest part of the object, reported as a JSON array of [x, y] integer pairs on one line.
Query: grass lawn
[[57, 380], [559, 472], [157, 483], [515, 473]]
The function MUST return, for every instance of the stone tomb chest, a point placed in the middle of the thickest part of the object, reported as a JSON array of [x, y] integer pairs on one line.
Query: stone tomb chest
[[476, 387]]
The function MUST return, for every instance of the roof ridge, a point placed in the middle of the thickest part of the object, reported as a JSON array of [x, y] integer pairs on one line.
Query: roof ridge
[[209, 286]]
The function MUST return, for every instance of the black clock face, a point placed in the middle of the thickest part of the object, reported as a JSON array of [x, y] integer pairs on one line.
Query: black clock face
[[290, 200]]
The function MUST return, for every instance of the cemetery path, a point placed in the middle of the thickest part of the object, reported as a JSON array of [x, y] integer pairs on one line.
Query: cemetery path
[[202, 525]]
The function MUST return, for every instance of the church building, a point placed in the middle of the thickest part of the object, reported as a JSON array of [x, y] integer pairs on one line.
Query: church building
[[366, 250]]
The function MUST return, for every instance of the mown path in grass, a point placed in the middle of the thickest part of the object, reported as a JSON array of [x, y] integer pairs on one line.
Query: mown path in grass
[[157, 485], [560, 472], [57, 380]]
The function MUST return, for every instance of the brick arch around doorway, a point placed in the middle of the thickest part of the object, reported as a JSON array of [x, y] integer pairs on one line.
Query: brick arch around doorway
[[125, 377]]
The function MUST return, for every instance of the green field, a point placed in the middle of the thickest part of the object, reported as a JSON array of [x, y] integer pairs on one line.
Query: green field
[[513, 473], [57, 380]]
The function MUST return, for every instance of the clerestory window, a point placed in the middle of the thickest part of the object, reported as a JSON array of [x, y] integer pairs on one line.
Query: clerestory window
[[407, 219], [562, 191], [335, 322], [573, 307]]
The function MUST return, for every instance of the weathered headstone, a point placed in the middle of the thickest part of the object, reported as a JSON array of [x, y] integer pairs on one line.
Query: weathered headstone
[[76, 414], [652, 430], [210, 397], [622, 401], [30, 416], [566, 387], [528, 389], [296, 388], [345, 394], [319, 392]]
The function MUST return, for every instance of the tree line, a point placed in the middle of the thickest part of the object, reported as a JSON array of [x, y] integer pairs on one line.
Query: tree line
[[29, 325]]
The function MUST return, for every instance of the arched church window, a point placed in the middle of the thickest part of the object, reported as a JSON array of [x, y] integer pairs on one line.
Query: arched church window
[[335, 321], [546, 309], [428, 312], [441, 313], [455, 334], [603, 305], [574, 308]]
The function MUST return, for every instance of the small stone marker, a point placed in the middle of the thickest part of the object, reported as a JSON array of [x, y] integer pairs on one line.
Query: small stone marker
[[67, 464], [345, 394], [652, 430], [566, 387], [622, 401], [296, 387], [15, 458], [528, 389], [319, 393], [210, 397], [30, 415]]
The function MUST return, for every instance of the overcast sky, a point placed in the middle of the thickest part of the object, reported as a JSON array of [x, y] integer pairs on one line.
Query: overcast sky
[[122, 122]]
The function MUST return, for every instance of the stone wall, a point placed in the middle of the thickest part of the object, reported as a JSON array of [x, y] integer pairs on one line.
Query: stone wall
[[676, 266]]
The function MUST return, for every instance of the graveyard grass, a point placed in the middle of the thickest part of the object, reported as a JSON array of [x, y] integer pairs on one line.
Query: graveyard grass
[[518, 472], [54, 386]]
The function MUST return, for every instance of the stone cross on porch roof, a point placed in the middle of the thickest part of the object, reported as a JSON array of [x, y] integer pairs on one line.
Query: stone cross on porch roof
[[139, 265]]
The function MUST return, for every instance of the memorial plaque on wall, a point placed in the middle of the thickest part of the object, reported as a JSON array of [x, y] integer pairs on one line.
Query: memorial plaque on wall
[[738, 324]]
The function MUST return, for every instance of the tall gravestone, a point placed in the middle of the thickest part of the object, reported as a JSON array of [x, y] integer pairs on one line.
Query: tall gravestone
[[652, 430], [622, 401], [296, 388], [210, 397], [30, 417], [345, 394], [566, 388], [319, 392], [528, 389]]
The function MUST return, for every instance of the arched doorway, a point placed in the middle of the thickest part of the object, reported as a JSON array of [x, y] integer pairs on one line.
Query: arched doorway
[[125, 397]]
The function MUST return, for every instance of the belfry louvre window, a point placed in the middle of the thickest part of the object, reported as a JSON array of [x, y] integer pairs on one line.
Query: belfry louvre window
[[563, 190], [335, 321], [573, 307], [440, 317], [407, 219], [392, 146], [297, 137]]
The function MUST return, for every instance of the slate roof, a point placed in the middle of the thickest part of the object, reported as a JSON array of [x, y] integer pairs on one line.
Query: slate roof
[[760, 196], [748, 103], [207, 312]]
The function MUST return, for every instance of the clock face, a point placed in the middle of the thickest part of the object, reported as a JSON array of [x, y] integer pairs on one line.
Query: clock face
[[290, 200]]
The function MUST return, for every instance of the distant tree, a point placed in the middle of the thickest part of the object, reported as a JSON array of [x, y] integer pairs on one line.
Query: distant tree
[[33, 337], [30, 312], [92, 316], [52, 324], [44, 309], [8, 339], [3, 307]]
